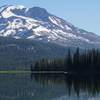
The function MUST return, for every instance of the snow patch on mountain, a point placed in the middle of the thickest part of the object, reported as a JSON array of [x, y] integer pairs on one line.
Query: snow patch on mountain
[[36, 23], [7, 11]]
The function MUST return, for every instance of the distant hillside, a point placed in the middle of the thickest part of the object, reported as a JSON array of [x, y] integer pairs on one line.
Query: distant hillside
[[21, 53]]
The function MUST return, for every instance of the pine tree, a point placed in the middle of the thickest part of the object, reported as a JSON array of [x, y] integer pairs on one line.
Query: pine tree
[[69, 61]]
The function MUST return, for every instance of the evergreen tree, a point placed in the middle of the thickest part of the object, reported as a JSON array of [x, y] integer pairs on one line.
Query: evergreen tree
[[87, 62]]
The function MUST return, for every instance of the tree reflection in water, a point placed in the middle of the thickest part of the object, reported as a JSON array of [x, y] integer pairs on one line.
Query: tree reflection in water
[[74, 84]]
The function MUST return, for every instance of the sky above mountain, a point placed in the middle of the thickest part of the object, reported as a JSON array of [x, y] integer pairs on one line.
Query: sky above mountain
[[82, 13]]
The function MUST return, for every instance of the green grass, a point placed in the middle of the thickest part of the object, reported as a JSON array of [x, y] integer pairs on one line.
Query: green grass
[[48, 72], [28, 71], [13, 71]]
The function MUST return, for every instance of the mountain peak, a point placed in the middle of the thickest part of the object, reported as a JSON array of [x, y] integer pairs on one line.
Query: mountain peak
[[37, 23], [38, 13], [39, 9], [13, 6], [11, 10]]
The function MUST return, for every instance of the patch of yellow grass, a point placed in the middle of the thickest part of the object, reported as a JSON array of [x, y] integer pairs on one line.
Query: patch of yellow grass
[[34, 72]]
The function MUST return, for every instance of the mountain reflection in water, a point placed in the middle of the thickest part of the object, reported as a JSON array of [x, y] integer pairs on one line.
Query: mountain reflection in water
[[89, 85], [48, 87]]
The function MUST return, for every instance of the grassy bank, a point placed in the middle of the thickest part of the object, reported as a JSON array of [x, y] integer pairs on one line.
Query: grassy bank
[[28, 71]]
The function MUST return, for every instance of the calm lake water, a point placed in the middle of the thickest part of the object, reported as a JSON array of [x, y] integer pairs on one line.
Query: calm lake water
[[48, 87]]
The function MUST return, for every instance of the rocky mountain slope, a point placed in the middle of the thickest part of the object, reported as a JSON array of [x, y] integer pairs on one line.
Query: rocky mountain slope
[[37, 24]]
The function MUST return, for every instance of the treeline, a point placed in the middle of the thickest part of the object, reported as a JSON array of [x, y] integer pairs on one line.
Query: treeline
[[19, 54], [87, 62]]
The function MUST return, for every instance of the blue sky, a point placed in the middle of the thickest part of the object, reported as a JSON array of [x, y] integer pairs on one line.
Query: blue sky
[[82, 13]]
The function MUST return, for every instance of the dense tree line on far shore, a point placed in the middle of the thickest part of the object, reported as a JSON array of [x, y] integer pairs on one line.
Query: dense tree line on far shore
[[88, 62], [19, 54]]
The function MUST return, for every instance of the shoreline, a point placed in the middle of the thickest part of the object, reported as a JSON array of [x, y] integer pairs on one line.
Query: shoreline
[[28, 71], [48, 72]]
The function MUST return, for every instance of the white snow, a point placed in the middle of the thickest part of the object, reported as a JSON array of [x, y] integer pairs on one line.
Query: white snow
[[39, 28], [31, 37], [56, 21], [1, 9], [16, 37], [8, 32], [1, 31], [7, 12], [67, 27], [20, 30]]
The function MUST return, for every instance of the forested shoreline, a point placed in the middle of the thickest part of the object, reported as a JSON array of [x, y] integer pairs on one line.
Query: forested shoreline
[[19, 54], [87, 62]]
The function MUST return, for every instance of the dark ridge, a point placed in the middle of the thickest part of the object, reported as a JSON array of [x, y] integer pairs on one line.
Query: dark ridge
[[38, 13]]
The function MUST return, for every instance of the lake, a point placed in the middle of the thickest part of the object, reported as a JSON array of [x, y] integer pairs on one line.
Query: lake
[[48, 87]]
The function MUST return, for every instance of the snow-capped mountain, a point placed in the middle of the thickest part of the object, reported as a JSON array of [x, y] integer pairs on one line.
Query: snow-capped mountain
[[36, 23]]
